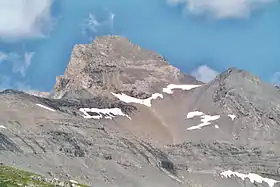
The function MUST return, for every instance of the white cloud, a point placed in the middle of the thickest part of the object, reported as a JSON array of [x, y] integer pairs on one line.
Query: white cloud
[[20, 63], [24, 18], [92, 25], [220, 9], [204, 73]]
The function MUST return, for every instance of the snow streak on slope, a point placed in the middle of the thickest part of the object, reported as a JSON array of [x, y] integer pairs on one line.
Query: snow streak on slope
[[2, 127], [205, 119], [232, 116], [129, 99], [113, 112], [45, 107], [170, 87], [72, 181], [107, 113], [251, 176], [193, 114]]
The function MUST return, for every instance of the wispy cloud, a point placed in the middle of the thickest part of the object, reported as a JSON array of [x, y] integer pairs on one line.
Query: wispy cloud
[[7, 83], [221, 9], [204, 73], [20, 63], [91, 25], [24, 18], [275, 78], [3, 56]]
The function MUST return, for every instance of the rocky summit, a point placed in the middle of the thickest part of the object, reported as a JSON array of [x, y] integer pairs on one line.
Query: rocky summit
[[113, 63], [123, 116]]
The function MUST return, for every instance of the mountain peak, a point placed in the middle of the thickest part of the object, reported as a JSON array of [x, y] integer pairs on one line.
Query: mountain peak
[[241, 83], [113, 63], [234, 74]]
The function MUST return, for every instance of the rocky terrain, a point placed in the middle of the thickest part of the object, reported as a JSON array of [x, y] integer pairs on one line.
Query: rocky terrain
[[122, 116]]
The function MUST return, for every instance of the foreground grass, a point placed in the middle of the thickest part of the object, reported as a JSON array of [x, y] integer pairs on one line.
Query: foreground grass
[[12, 177]]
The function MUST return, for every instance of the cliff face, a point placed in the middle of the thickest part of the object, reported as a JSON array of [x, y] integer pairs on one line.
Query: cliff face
[[122, 116], [113, 63]]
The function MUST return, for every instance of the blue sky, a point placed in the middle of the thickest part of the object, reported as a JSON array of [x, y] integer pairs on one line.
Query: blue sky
[[201, 37]]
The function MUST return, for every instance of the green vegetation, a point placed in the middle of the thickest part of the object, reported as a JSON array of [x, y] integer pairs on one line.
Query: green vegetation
[[12, 177]]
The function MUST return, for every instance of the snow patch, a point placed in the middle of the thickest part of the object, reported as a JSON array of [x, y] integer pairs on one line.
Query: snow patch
[[170, 87], [232, 116], [193, 114], [72, 181], [108, 113], [251, 176], [45, 107], [128, 99], [205, 119], [2, 127]]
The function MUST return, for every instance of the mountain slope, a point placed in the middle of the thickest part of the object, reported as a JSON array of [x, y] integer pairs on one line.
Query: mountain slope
[[138, 121]]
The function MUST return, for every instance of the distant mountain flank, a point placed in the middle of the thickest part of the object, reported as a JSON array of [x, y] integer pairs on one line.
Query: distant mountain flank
[[123, 116]]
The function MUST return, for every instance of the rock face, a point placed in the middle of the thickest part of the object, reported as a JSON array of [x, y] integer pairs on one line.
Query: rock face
[[113, 63], [208, 135]]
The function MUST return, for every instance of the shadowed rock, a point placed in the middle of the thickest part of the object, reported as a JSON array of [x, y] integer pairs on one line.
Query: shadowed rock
[[6, 144]]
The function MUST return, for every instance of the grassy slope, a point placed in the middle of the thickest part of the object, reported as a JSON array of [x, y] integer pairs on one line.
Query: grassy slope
[[12, 177]]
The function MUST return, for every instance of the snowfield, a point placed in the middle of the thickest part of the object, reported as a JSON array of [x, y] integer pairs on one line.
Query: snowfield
[[251, 176], [45, 107], [205, 119], [170, 87], [128, 99]]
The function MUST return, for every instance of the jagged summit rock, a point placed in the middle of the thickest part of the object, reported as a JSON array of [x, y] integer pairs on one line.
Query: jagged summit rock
[[113, 63]]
